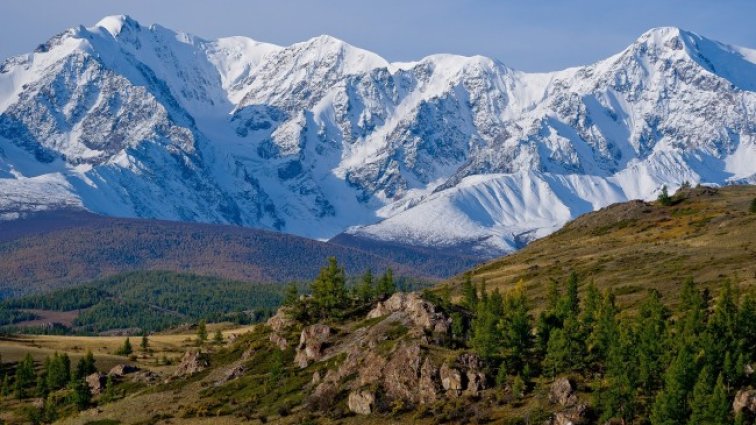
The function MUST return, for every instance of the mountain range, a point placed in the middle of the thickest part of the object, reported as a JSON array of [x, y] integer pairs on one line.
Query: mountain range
[[322, 139]]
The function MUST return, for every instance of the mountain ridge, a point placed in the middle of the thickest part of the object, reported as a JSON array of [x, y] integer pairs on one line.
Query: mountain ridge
[[321, 137]]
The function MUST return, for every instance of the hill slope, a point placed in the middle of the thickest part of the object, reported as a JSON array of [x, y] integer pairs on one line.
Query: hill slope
[[708, 234], [55, 249]]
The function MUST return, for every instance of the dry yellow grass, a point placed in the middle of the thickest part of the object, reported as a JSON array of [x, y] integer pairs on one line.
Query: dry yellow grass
[[707, 234]]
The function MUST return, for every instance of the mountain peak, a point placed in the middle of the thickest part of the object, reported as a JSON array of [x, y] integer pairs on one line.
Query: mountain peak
[[114, 24]]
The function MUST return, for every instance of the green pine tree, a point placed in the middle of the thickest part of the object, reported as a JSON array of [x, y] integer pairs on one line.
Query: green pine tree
[[365, 290], [145, 343], [25, 377], [81, 397], [291, 294], [752, 209], [671, 403], [329, 292], [664, 197], [469, 293], [218, 337], [386, 286], [202, 331]]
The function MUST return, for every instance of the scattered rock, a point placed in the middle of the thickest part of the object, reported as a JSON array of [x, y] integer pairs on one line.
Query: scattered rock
[[279, 341], [311, 343], [562, 392], [573, 416], [465, 376], [451, 380], [145, 377], [420, 312], [745, 401], [248, 353], [231, 374], [121, 370], [192, 362], [315, 378], [96, 382], [361, 402]]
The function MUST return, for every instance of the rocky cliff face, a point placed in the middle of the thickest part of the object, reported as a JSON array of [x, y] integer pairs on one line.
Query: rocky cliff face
[[319, 137]]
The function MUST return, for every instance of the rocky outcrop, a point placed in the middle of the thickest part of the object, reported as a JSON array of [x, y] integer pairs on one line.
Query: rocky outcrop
[[193, 362], [464, 376], [118, 371], [361, 402], [420, 312], [279, 341], [562, 392], [389, 362], [311, 344], [280, 321], [745, 402], [96, 382], [575, 415]]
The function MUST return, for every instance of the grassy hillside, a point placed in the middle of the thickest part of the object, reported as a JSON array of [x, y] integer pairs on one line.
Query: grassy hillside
[[708, 234], [63, 248]]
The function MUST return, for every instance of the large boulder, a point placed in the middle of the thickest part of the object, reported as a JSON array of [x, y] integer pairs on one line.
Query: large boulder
[[562, 392], [361, 402], [192, 362], [420, 312], [745, 402], [96, 382], [311, 344]]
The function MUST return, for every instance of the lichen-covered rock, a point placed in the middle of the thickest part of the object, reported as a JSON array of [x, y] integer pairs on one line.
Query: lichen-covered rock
[[145, 377], [122, 370], [96, 382], [745, 401], [311, 344], [361, 402], [192, 362], [420, 312], [562, 392], [451, 380]]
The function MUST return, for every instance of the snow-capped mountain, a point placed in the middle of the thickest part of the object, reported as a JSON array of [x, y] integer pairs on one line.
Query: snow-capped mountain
[[322, 137]]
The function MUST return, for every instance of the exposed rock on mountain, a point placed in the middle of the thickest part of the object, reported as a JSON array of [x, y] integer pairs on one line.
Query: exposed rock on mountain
[[321, 137]]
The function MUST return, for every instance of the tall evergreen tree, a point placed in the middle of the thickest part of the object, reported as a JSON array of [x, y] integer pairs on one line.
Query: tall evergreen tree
[[469, 293], [516, 326], [329, 291], [671, 403], [651, 327], [201, 331], [365, 289], [386, 285], [25, 377]]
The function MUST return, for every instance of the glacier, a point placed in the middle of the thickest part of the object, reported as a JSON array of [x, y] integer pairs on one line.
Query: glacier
[[321, 137]]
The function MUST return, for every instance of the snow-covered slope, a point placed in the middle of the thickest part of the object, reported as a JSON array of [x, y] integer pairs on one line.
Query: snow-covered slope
[[322, 137]]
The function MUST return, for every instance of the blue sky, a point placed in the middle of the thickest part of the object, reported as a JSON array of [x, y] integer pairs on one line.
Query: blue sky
[[535, 35]]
